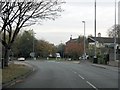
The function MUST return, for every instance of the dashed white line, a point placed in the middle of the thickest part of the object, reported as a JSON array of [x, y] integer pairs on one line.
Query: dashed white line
[[81, 77], [92, 85], [75, 72], [86, 81]]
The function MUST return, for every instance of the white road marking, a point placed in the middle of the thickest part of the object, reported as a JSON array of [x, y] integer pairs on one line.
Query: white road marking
[[81, 76], [86, 81], [92, 85], [75, 72]]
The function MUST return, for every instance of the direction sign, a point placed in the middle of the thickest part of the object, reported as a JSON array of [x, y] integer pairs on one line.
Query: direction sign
[[32, 54]]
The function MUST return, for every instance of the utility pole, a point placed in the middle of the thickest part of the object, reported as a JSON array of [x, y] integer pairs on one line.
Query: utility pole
[[115, 35], [95, 57]]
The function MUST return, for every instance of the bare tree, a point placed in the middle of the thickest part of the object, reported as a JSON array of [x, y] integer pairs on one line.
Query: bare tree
[[111, 32], [16, 15]]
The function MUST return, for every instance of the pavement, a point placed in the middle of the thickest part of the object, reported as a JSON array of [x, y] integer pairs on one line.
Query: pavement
[[106, 67], [114, 68]]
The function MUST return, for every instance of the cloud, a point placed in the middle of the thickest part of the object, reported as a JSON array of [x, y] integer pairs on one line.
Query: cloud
[[70, 22]]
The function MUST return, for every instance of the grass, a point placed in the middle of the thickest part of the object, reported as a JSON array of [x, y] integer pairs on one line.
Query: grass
[[13, 71]]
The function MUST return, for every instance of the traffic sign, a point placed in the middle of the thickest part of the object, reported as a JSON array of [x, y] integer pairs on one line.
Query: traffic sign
[[32, 54]]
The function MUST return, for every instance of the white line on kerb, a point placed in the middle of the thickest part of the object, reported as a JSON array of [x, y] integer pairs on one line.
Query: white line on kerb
[[81, 77], [92, 85]]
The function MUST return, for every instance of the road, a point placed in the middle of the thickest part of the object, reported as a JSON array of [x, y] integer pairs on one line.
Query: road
[[51, 74]]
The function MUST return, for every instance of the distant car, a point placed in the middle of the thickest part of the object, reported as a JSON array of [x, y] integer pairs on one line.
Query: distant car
[[69, 59], [21, 59], [57, 55], [80, 58]]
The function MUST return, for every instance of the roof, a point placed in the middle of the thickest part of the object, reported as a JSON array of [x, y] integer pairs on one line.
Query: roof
[[102, 39], [73, 40], [99, 39]]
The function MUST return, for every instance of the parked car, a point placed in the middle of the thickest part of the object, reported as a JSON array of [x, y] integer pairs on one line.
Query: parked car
[[21, 59]]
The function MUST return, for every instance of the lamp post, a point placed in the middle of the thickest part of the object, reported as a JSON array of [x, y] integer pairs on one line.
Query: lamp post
[[61, 50], [84, 40]]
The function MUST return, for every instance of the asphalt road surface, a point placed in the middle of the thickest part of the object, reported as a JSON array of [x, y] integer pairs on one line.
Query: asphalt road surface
[[51, 74]]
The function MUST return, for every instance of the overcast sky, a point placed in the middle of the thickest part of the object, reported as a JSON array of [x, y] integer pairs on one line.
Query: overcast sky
[[70, 22]]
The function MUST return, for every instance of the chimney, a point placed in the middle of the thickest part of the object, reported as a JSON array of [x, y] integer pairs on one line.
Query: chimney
[[71, 37], [99, 34]]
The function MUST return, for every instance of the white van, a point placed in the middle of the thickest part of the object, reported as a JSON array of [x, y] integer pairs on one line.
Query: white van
[[21, 59]]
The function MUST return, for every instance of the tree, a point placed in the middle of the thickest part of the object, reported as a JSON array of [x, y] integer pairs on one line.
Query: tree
[[16, 15], [24, 44], [44, 48], [61, 49], [111, 32], [15, 46]]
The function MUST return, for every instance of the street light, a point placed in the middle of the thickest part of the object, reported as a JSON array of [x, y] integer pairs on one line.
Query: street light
[[61, 50], [84, 39]]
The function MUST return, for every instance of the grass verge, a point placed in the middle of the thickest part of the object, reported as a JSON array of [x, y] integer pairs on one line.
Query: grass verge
[[13, 72]]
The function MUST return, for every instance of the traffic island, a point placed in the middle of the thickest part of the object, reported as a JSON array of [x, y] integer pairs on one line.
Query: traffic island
[[15, 73]]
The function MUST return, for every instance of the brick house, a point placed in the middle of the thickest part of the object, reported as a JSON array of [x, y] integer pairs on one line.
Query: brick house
[[74, 48]]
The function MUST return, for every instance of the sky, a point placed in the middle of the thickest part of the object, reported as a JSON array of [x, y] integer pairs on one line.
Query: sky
[[70, 21]]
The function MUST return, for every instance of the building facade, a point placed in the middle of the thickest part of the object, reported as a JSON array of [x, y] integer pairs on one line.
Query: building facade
[[74, 48]]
